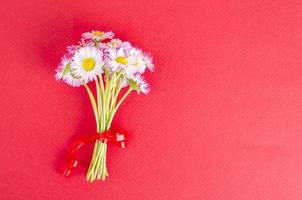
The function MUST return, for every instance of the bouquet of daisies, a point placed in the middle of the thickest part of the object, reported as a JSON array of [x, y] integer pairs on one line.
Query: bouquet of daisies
[[112, 65]]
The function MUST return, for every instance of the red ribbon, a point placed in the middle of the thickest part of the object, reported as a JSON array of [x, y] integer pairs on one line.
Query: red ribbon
[[115, 137]]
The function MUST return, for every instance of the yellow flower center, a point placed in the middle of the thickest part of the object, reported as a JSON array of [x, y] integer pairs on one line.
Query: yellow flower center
[[136, 64], [88, 64], [122, 60], [98, 33], [113, 43]]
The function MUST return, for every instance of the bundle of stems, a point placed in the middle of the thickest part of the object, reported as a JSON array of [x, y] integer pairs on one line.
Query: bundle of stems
[[105, 105]]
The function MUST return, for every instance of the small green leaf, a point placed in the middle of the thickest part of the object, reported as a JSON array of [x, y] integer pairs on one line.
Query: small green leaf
[[133, 84], [66, 69]]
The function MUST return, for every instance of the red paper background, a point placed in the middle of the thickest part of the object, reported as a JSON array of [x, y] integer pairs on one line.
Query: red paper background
[[222, 121]]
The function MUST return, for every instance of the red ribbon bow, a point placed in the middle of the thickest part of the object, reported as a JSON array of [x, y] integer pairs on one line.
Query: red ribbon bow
[[115, 137]]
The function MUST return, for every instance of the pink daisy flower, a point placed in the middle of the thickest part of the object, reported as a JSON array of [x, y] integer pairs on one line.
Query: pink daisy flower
[[98, 35], [139, 84]]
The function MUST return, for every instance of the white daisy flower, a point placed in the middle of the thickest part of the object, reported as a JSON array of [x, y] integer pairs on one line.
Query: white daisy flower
[[114, 43], [139, 84], [118, 59], [98, 35], [64, 73], [87, 63], [117, 43], [139, 65]]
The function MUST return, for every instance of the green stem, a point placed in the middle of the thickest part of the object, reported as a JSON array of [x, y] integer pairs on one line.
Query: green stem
[[90, 169], [118, 105], [97, 162], [99, 107], [94, 106], [116, 91], [104, 111]]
